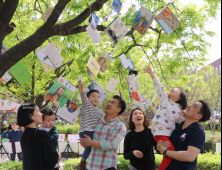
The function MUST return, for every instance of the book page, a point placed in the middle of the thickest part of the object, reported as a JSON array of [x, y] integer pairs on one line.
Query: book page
[[46, 15], [54, 56], [93, 34], [124, 61], [112, 84], [118, 27]]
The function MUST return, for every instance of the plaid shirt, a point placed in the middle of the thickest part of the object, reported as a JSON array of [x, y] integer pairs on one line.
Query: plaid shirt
[[109, 135]]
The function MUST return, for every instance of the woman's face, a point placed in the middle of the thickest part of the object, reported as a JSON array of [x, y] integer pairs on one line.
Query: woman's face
[[138, 117], [37, 116]]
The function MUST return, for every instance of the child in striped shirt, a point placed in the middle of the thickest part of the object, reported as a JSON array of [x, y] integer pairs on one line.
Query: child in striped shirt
[[90, 117]]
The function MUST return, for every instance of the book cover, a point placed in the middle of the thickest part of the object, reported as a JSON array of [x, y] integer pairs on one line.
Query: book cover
[[96, 86], [167, 20], [20, 73], [93, 34], [142, 104], [112, 84], [131, 65], [117, 5], [69, 112], [6, 77], [116, 30], [94, 20], [124, 61], [46, 15], [104, 61], [60, 92], [133, 88], [57, 46], [143, 20], [3, 49], [155, 104], [93, 66]]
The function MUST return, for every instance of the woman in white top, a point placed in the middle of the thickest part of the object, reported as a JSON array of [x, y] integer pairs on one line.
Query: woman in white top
[[169, 113]]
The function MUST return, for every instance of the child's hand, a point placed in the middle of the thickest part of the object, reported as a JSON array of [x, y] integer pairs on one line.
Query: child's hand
[[147, 69]]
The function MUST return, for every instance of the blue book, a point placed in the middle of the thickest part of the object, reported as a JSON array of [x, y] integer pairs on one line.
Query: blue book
[[131, 65], [117, 5], [94, 20]]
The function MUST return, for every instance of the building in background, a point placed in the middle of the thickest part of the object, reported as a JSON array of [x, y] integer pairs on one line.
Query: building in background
[[217, 65]]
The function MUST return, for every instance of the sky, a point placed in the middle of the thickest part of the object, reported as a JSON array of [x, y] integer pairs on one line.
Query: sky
[[215, 26]]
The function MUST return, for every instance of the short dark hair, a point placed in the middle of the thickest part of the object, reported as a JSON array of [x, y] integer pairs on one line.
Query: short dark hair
[[14, 123], [132, 125], [4, 129], [122, 104], [92, 91], [24, 112], [183, 99], [205, 111], [46, 112]]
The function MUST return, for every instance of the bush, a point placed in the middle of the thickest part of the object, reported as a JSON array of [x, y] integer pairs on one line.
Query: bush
[[207, 161], [11, 165], [208, 125], [71, 129]]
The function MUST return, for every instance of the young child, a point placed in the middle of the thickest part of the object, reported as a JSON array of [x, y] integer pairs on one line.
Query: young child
[[169, 113], [48, 125], [90, 116]]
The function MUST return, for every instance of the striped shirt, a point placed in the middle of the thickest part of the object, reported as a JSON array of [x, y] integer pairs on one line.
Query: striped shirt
[[90, 115], [109, 135]]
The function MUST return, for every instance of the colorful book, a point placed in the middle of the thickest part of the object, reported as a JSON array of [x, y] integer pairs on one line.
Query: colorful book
[[3, 49], [131, 65], [167, 20], [142, 104], [20, 73], [96, 86], [60, 92], [93, 34], [6, 77], [112, 84], [46, 15], [124, 61], [117, 5], [143, 20], [116, 30], [155, 104], [94, 20], [93, 66], [132, 82], [104, 61]]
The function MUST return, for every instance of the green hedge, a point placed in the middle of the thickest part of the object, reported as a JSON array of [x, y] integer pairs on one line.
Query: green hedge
[[208, 124], [11, 165], [208, 161], [71, 129]]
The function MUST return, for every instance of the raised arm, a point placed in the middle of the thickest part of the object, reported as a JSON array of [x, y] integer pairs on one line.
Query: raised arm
[[159, 88], [85, 102]]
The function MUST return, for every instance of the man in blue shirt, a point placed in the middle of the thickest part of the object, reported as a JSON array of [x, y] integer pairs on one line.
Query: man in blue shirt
[[14, 136], [188, 138]]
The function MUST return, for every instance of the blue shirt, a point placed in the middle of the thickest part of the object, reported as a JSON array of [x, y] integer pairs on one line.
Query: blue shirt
[[14, 136], [4, 134], [181, 139]]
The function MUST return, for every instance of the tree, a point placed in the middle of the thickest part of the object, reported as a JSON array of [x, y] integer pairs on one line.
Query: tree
[[186, 47]]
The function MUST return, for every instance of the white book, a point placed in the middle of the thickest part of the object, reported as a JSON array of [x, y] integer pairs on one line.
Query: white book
[[80, 79], [93, 34], [118, 27], [124, 61], [46, 15], [112, 84], [6, 77], [54, 56]]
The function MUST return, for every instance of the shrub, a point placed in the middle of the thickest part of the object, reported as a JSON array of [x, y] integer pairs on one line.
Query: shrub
[[11, 165], [71, 129]]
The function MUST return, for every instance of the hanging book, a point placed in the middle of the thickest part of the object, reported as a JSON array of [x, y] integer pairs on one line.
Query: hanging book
[[94, 85], [69, 112], [3, 49], [6, 77], [93, 34], [133, 88], [155, 104], [20, 73], [117, 5], [46, 15], [60, 92], [112, 84], [94, 20], [143, 20], [131, 65], [116, 30], [167, 20], [104, 61], [124, 61], [57, 46], [142, 104], [93, 66]]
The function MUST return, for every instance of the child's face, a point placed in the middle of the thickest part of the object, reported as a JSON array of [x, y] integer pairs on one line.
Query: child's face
[[49, 121], [94, 98]]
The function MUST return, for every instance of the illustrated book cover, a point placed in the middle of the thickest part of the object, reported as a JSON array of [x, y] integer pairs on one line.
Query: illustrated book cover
[[104, 61], [112, 84], [117, 5], [133, 85], [155, 104], [124, 61], [93, 66]]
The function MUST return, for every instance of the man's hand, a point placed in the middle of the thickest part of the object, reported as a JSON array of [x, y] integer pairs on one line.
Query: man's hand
[[81, 87], [138, 154], [85, 142], [160, 147]]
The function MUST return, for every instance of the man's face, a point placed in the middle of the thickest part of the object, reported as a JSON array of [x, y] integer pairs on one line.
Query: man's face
[[14, 126], [193, 111], [60, 92], [49, 121], [112, 106]]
